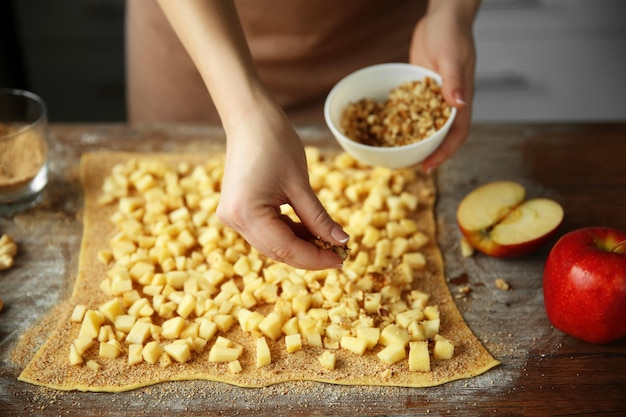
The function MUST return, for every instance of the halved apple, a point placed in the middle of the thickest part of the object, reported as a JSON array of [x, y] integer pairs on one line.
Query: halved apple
[[497, 220]]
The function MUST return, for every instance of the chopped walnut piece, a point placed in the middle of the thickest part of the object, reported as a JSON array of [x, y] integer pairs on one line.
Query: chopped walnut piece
[[342, 251], [465, 290]]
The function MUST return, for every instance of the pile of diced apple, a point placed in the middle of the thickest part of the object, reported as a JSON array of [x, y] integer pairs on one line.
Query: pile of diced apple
[[178, 281]]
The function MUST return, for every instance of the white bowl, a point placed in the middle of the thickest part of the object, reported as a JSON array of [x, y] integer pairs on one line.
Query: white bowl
[[376, 82]]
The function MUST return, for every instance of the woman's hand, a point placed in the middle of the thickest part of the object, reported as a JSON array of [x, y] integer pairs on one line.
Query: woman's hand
[[443, 41], [265, 161], [265, 168]]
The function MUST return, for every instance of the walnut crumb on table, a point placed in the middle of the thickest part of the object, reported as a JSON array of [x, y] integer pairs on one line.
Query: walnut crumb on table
[[463, 292]]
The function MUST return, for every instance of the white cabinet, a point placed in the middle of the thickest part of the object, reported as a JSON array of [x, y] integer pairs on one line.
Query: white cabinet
[[551, 60]]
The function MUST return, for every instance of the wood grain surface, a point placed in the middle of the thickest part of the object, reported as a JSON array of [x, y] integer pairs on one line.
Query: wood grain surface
[[543, 372]]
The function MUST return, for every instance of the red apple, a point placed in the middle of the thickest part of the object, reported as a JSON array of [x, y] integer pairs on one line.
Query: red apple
[[496, 219], [584, 284]]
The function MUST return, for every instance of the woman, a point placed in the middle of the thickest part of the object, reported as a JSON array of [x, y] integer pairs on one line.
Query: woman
[[268, 63]]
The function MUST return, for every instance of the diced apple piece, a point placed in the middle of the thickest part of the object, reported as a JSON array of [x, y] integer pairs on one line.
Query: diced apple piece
[[418, 299], [249, 320], [414, 259], [393, 334], [271, 326], [416, 331], [190, 330], [171, 328], [167, 309], [335, 331], [155, 332], [82, 343], [372, 302], [223, 353], [207, 329], [235, 366], [301, 303], [106, 333], [293, 342], [332, 293], [75, 358], [140, 308], [314, 338], [124, 322], [328, 360], [263, 355], [419, 358], [444, 348], [78, 313], [186, 306], [405, 318], [119, 287], [223, 341], [130, 297], [165, 360], [393, 353], [321, 315], [198, 344], [93, 365], [152, 352], [431, 328], [291, 326], [431, 312], [353, 344], [139, 332], [176, 279], [111, 349], [91, 324], [371, 335], [135, 354], [140, 269], [179, 351], [224, 322]]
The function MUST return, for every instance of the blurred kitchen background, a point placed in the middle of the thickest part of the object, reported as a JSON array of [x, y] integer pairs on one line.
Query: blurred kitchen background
[[538, 60]]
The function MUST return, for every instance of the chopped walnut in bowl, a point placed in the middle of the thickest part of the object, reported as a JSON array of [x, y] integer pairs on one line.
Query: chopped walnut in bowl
[[413, 111], [390, 115]]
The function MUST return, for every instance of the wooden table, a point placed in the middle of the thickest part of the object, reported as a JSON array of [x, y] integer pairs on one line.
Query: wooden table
[[543, 372]]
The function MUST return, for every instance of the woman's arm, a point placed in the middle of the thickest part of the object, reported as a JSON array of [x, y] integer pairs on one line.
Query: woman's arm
[[265, 160]]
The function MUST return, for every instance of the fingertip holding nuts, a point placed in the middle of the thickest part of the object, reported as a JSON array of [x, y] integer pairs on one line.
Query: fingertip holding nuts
[[342, 251]]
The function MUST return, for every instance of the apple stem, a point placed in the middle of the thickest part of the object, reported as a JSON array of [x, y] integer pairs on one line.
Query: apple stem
[[620, 247]]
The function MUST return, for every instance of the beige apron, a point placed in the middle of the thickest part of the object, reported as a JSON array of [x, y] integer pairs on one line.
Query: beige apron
[[301, 49]]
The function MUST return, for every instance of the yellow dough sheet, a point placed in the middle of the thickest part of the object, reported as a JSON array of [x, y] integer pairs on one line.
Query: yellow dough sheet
[[50, 366]]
